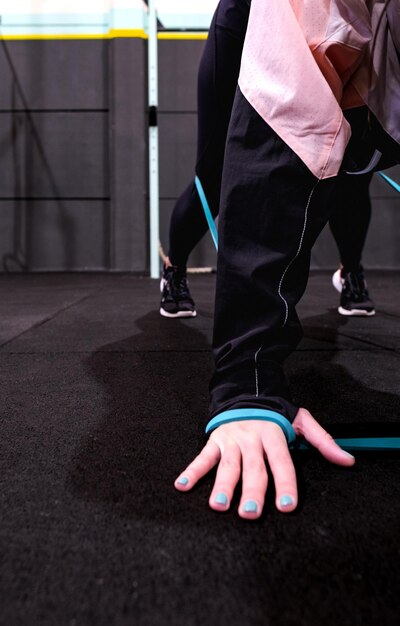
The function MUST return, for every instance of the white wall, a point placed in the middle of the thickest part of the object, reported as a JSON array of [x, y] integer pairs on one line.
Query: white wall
[[65, 6], [172, 13]]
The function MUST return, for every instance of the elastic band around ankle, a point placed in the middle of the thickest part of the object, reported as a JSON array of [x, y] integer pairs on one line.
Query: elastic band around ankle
[[239, 415]]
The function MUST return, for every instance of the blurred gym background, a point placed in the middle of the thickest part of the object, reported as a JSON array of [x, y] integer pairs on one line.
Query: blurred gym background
[[74, 137]]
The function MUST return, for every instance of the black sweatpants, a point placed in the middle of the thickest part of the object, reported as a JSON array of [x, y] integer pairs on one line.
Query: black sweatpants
[[272, 210]]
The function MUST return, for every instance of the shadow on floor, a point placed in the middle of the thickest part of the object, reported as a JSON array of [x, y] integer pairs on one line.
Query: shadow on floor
[[155, 415]]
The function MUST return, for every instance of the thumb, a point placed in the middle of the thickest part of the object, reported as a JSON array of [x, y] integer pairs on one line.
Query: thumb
[[305, 425]]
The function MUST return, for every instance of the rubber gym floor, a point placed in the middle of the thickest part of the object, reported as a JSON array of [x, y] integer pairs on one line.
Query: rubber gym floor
[[104, 403]]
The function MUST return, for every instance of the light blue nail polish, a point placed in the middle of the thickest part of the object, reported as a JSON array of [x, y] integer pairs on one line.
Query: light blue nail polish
[[286, 501], [250, 507], [221, 498], [183, 481]]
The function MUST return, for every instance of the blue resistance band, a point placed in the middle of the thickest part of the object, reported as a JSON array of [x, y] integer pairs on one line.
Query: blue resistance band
[[207, 212], [371, 444], [209, 217], [240, 415], [390, 181]]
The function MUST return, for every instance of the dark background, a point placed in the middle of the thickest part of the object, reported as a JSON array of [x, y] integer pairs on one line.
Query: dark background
[[73, 157]]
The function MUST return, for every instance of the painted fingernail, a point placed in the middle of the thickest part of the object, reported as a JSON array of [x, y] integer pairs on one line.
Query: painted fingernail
[[183, 480], [286, 501], [221, 498], [250, 506]]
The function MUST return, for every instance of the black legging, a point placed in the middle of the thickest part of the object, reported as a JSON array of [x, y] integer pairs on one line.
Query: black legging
[[217, 82], [350, 217]]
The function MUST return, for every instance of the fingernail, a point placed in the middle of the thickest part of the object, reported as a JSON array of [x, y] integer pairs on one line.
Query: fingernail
[[183, 480], [250, 506], [286, 501], [221, 498], [348, 454]]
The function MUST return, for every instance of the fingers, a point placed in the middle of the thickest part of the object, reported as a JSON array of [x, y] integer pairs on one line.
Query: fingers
[[227, 477], [305, 425], [254, 478], [282, 468], [202, 464], [240, 450]]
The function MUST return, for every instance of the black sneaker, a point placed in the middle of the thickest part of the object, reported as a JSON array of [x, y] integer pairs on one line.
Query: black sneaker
[[354, 298], [176, 300]]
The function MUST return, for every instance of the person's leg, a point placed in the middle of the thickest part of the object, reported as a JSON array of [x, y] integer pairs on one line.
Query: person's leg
[[217, 81], [272, 210], [350, 218], [349, 224]]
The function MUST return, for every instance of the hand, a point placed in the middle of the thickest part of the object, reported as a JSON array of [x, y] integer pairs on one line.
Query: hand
[[240, 448]]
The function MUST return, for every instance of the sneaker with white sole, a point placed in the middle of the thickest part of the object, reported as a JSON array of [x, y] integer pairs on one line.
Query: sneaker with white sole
[[176, 300], [354, 296]]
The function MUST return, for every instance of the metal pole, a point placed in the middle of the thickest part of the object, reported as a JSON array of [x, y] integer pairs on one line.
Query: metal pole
[[153, 141]]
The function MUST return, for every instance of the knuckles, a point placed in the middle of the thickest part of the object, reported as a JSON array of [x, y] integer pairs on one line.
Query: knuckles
[[256, 466], [230, 463]]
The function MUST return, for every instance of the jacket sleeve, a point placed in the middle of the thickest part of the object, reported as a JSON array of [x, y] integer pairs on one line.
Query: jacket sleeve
[[284, 74]]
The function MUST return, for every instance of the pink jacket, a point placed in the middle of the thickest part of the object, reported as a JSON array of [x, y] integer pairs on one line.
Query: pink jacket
[[298, 58]]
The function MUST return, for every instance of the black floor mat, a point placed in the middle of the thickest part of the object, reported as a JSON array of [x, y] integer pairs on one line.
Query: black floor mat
[[103, 403]]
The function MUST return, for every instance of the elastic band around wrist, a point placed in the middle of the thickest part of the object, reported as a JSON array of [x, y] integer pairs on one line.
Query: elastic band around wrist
[[265, 415]]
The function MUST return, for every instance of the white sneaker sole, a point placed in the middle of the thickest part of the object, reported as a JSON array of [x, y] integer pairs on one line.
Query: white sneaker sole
[[356, 312], [337, 281], [179, 314]]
